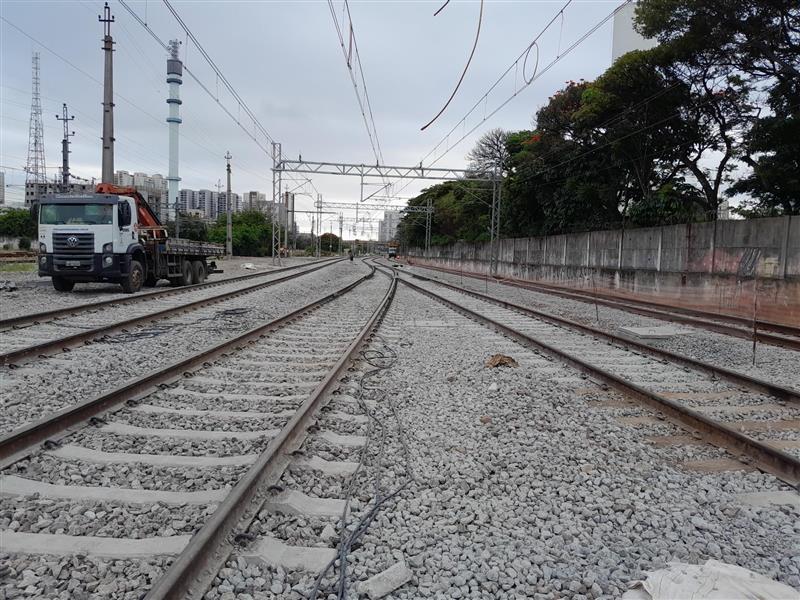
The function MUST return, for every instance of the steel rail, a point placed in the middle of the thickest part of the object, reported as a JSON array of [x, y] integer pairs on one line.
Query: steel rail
[[759, 385], [195, 568], [706, 322], [782, 328], [19, 442], [765, 457], [136, 298], [19, 355]]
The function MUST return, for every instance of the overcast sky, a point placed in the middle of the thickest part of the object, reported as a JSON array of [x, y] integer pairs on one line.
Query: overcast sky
[[285, 61]]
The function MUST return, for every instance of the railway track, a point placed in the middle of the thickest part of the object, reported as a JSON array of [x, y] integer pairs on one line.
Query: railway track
[[37, 335], [783, 335], [750, 418], [75, 309], [202, 441]]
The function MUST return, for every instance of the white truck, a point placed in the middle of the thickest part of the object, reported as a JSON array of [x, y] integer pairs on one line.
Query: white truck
[[113, 235]]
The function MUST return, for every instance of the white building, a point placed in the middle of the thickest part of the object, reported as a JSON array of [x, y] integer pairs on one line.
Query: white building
[[255, 200], [123, 179], [625, 37], [387, 228], [207, 202], [222, 203], [152, 187], [34, 192], [187, 200]]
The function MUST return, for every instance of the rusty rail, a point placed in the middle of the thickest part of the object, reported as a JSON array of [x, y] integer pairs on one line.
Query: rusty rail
[[195, 568], [90, 306], [22, 354], [790, 338], [19, 442], [767, 458]]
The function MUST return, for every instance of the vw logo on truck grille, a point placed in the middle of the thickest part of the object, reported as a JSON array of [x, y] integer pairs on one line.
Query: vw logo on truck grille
[[72, 241]]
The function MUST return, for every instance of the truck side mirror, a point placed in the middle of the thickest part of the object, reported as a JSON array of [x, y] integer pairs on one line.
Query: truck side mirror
[[124, 214]]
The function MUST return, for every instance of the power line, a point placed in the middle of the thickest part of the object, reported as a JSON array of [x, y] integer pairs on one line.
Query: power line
[[77, 68], [526, 81], [520, 61], [369, 121], [205, 88], [219, 72], [466, 67]]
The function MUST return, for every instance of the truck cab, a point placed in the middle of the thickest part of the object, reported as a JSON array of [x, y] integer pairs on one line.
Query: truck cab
[[90, 237]]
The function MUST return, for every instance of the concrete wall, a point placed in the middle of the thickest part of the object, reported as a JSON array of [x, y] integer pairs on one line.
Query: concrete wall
[[713, 265]]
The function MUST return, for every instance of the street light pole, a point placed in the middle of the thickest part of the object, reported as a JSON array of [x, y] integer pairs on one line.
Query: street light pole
[[229, 224]]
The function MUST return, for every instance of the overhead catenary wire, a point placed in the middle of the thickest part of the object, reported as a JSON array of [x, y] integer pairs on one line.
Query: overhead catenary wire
[[202, 85], [218, 72], [517, 90], [466, 67], [364, 105], [215, 97], [514, 65]]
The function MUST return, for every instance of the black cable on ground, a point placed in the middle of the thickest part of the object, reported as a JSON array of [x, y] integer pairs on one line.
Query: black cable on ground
[[381, 360]]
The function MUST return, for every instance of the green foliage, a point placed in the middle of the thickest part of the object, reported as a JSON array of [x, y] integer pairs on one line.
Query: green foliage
[[192, 228], [661, 137], [24, 243], [461, 212], [18, 222], [329, 243], [252, 233]]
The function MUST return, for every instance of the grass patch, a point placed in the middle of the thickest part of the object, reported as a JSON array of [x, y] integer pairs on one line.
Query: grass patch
[[17, 267]]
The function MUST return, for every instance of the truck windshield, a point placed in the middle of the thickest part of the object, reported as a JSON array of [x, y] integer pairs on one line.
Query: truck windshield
[[76, 214]]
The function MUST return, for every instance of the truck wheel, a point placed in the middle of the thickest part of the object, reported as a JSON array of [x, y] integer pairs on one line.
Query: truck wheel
[[198, 271], [135, 278], [63, 285], [186, 273]]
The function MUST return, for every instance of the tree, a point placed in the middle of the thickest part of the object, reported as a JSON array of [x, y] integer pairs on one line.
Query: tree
[[192, 228], [17, 222], [772, 150], [736, 54], [460, 212], [757, 38], [490, 153], [252, 233], [329, 243]]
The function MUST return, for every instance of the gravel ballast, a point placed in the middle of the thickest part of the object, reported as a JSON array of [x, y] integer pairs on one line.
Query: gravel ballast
[[332, 327], [46, 385], [773, 364], [36, 294], [525, 483]]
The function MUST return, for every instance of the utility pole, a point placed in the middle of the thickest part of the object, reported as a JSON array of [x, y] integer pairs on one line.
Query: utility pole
[[108, 97], [287, 198], [341, 226], [65, 147], [428, 226], [228, 198], [319, 220], [276, 200]]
